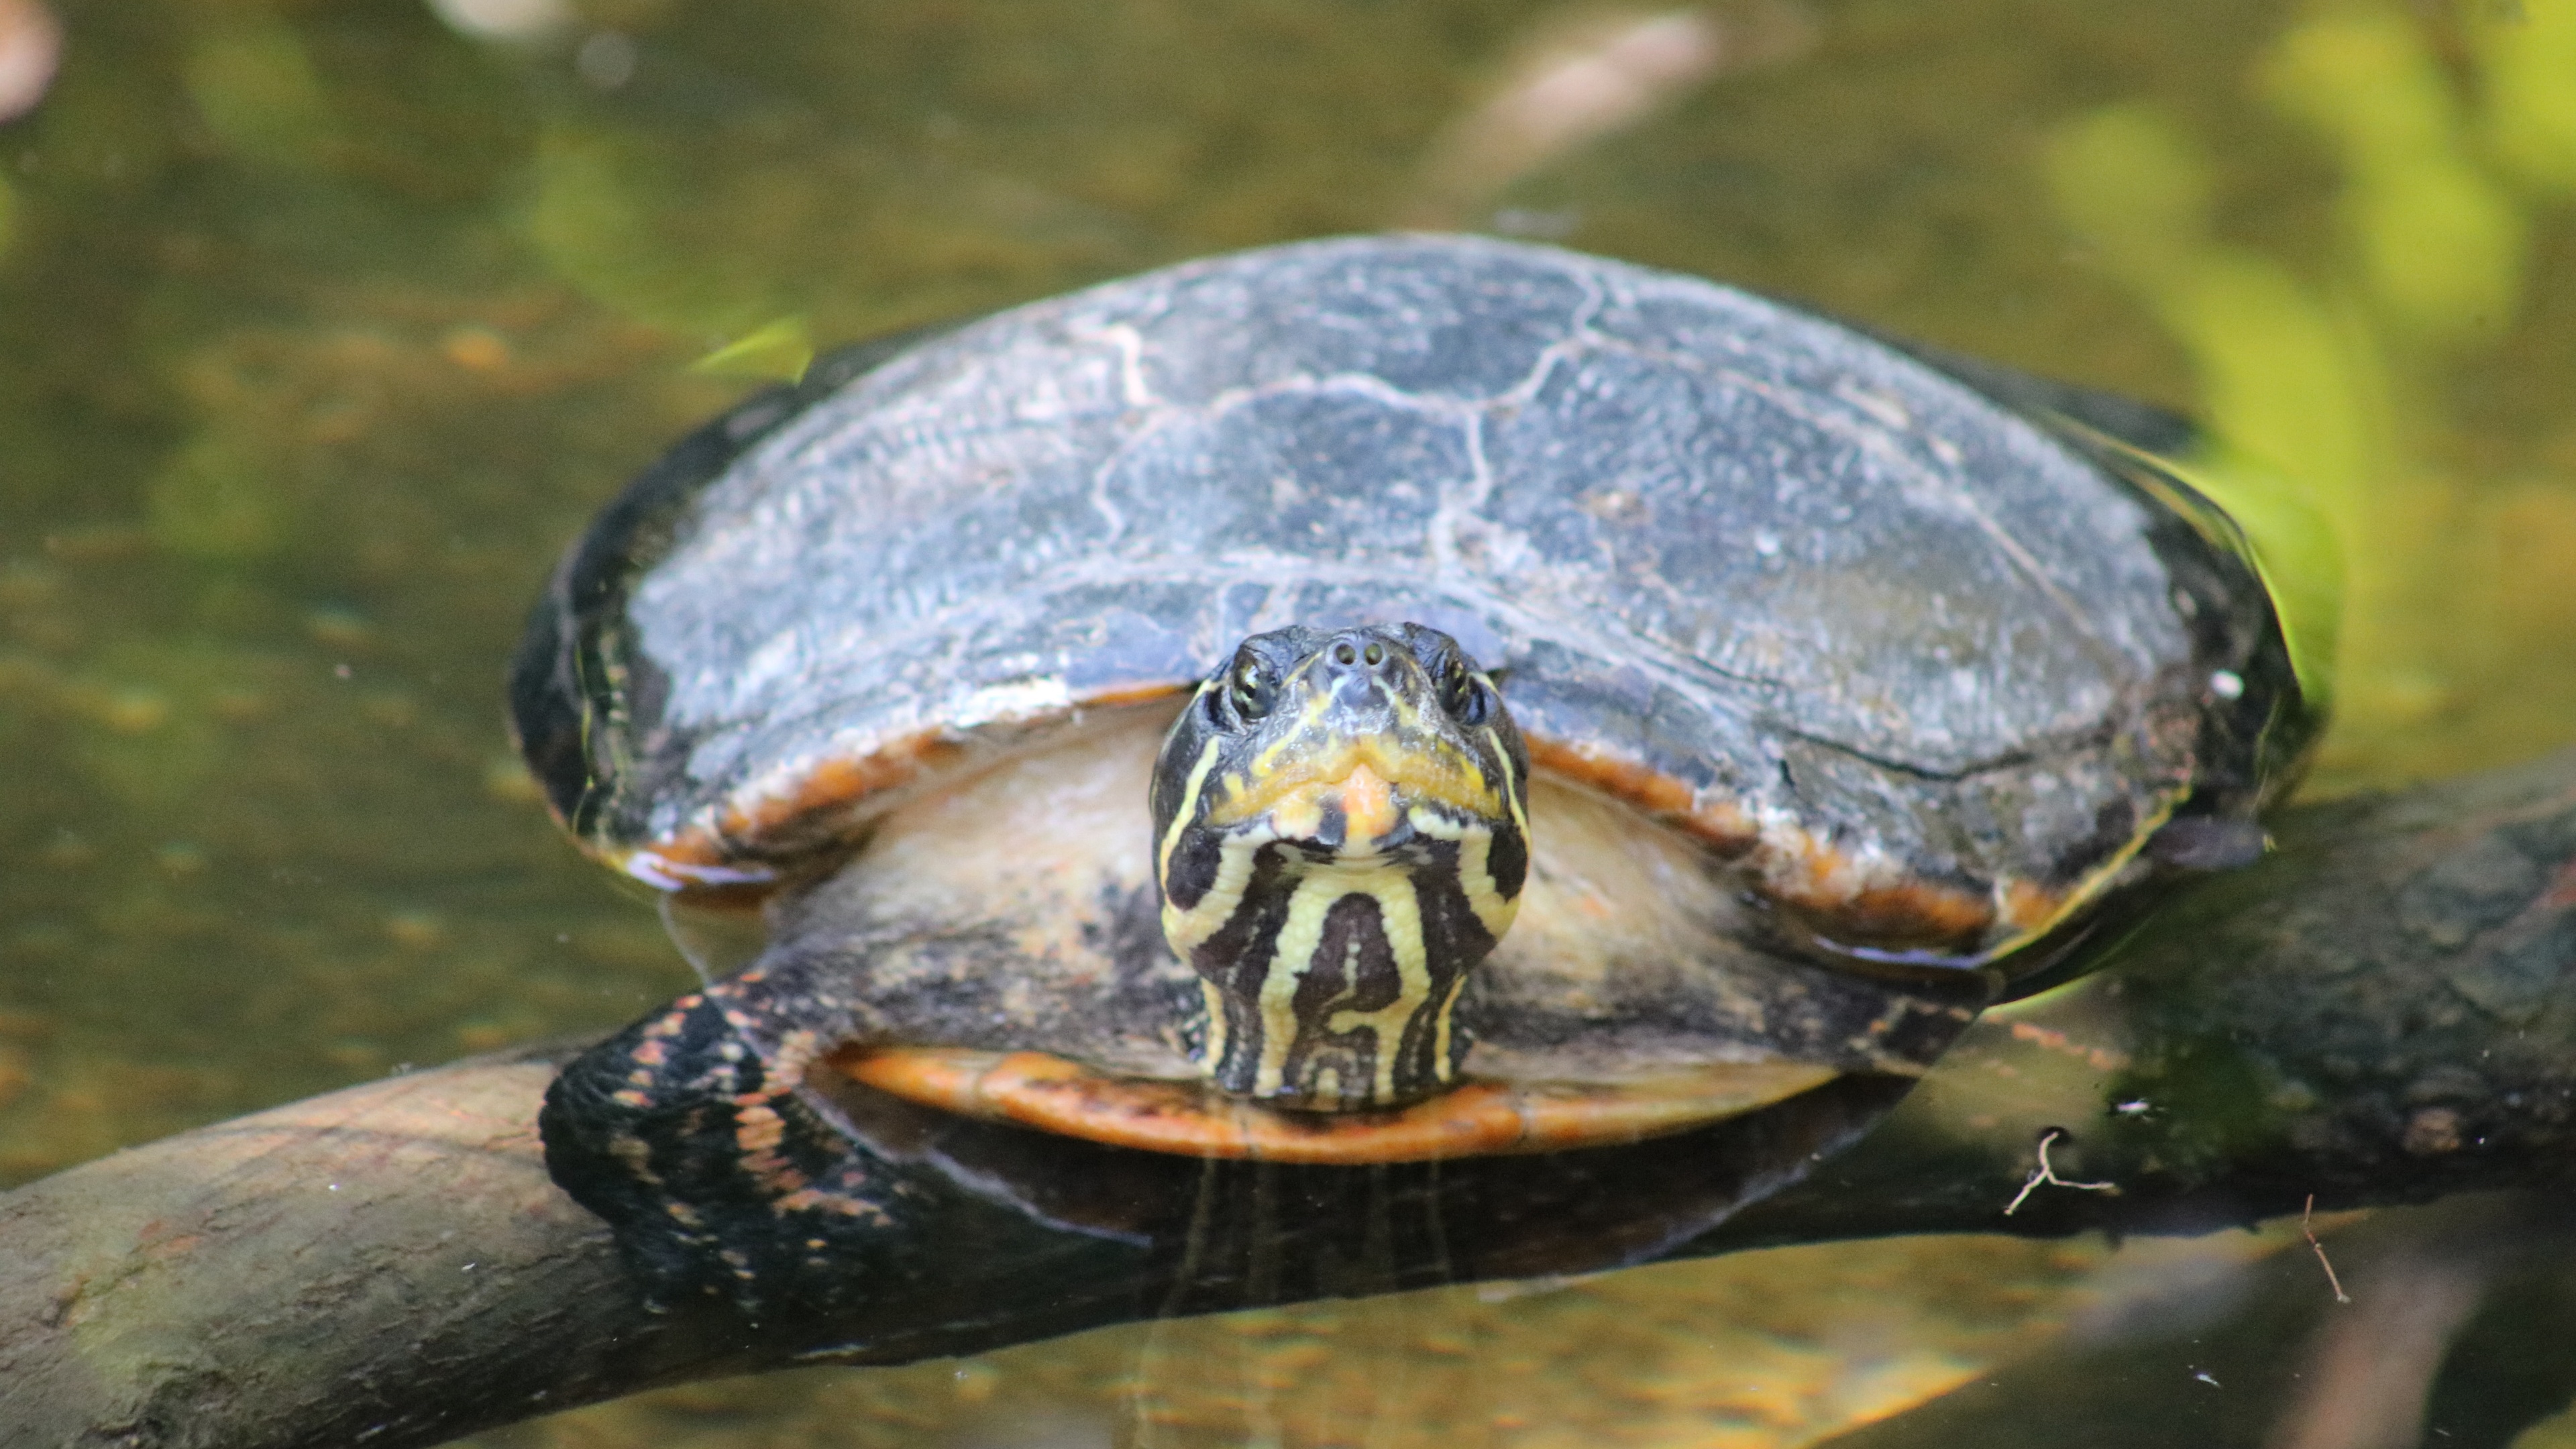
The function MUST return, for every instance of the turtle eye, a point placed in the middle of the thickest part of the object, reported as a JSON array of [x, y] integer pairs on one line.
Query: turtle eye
[[1250, 686]]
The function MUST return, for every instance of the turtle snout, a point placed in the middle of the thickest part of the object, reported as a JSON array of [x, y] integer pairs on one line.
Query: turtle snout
[[1359, 664]]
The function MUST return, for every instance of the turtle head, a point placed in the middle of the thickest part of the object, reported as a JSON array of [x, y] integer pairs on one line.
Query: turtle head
[[1340, 832]]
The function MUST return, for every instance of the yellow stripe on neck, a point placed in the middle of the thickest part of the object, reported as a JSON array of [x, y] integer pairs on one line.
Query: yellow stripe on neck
[[1322, 887]]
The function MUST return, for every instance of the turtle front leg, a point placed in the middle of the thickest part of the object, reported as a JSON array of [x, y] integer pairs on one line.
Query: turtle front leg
[[699, 1149], [813, 1207]]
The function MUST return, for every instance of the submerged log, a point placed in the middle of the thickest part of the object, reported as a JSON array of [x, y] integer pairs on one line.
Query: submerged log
[[2382, 1011]]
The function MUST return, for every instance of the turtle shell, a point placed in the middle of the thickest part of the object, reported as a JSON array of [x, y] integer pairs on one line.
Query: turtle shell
[[1925, 650]]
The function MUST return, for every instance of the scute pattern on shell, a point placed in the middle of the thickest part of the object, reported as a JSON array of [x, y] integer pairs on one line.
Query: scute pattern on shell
[[1883, 630]]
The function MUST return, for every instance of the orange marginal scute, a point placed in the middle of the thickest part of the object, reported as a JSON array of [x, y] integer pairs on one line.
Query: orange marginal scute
[[835, 784], [1847, 899], [1862, 906], [1133, 694], [1721, 823], [2028, 905]]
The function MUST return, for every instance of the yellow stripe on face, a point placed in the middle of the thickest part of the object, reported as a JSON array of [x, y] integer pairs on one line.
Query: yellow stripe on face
[[1186, 928], [1235, 860], [1182, 817], [1513, 787], [1494, 910], [1310, 718]]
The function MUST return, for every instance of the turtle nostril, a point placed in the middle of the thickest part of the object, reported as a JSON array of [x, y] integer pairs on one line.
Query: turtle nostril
[[1377, 654], [1342, 654]]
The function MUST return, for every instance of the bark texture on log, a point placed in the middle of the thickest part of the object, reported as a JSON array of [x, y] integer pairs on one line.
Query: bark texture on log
[[2384, 1011], [388, 1264]]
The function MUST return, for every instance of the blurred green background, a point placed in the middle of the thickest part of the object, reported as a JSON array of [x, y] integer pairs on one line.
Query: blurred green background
[[324, 324]]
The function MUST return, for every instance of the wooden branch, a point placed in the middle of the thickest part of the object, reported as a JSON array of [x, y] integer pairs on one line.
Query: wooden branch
[[2383, 1011], [388, 1260]]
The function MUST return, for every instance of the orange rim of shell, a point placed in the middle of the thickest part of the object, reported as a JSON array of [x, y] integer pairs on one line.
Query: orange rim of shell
[[1190, 1119], [712, 857], [1854, 902]]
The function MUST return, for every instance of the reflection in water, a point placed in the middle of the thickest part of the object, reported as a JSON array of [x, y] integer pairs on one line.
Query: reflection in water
[[715, 943], [2369, 1373], [1779, 1347], [321, 328]]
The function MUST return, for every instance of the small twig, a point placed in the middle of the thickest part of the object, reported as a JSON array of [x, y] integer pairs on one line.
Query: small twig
[[2332, 1281], [2047, 1174]]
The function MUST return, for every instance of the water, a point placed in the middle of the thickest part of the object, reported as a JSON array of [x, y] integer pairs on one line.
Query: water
[[323, 327]]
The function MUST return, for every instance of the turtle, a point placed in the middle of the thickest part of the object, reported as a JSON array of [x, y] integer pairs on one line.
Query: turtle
[[1373, 700]]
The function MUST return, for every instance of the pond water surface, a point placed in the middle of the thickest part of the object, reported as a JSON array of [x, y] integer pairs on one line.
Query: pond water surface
[[325, 323]]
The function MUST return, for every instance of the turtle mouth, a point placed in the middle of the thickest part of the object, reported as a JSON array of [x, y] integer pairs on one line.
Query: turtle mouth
[[1356, 754], [1363, 818]]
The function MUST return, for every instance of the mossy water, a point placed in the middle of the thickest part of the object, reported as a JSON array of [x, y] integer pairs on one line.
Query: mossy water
[[322, 327]]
